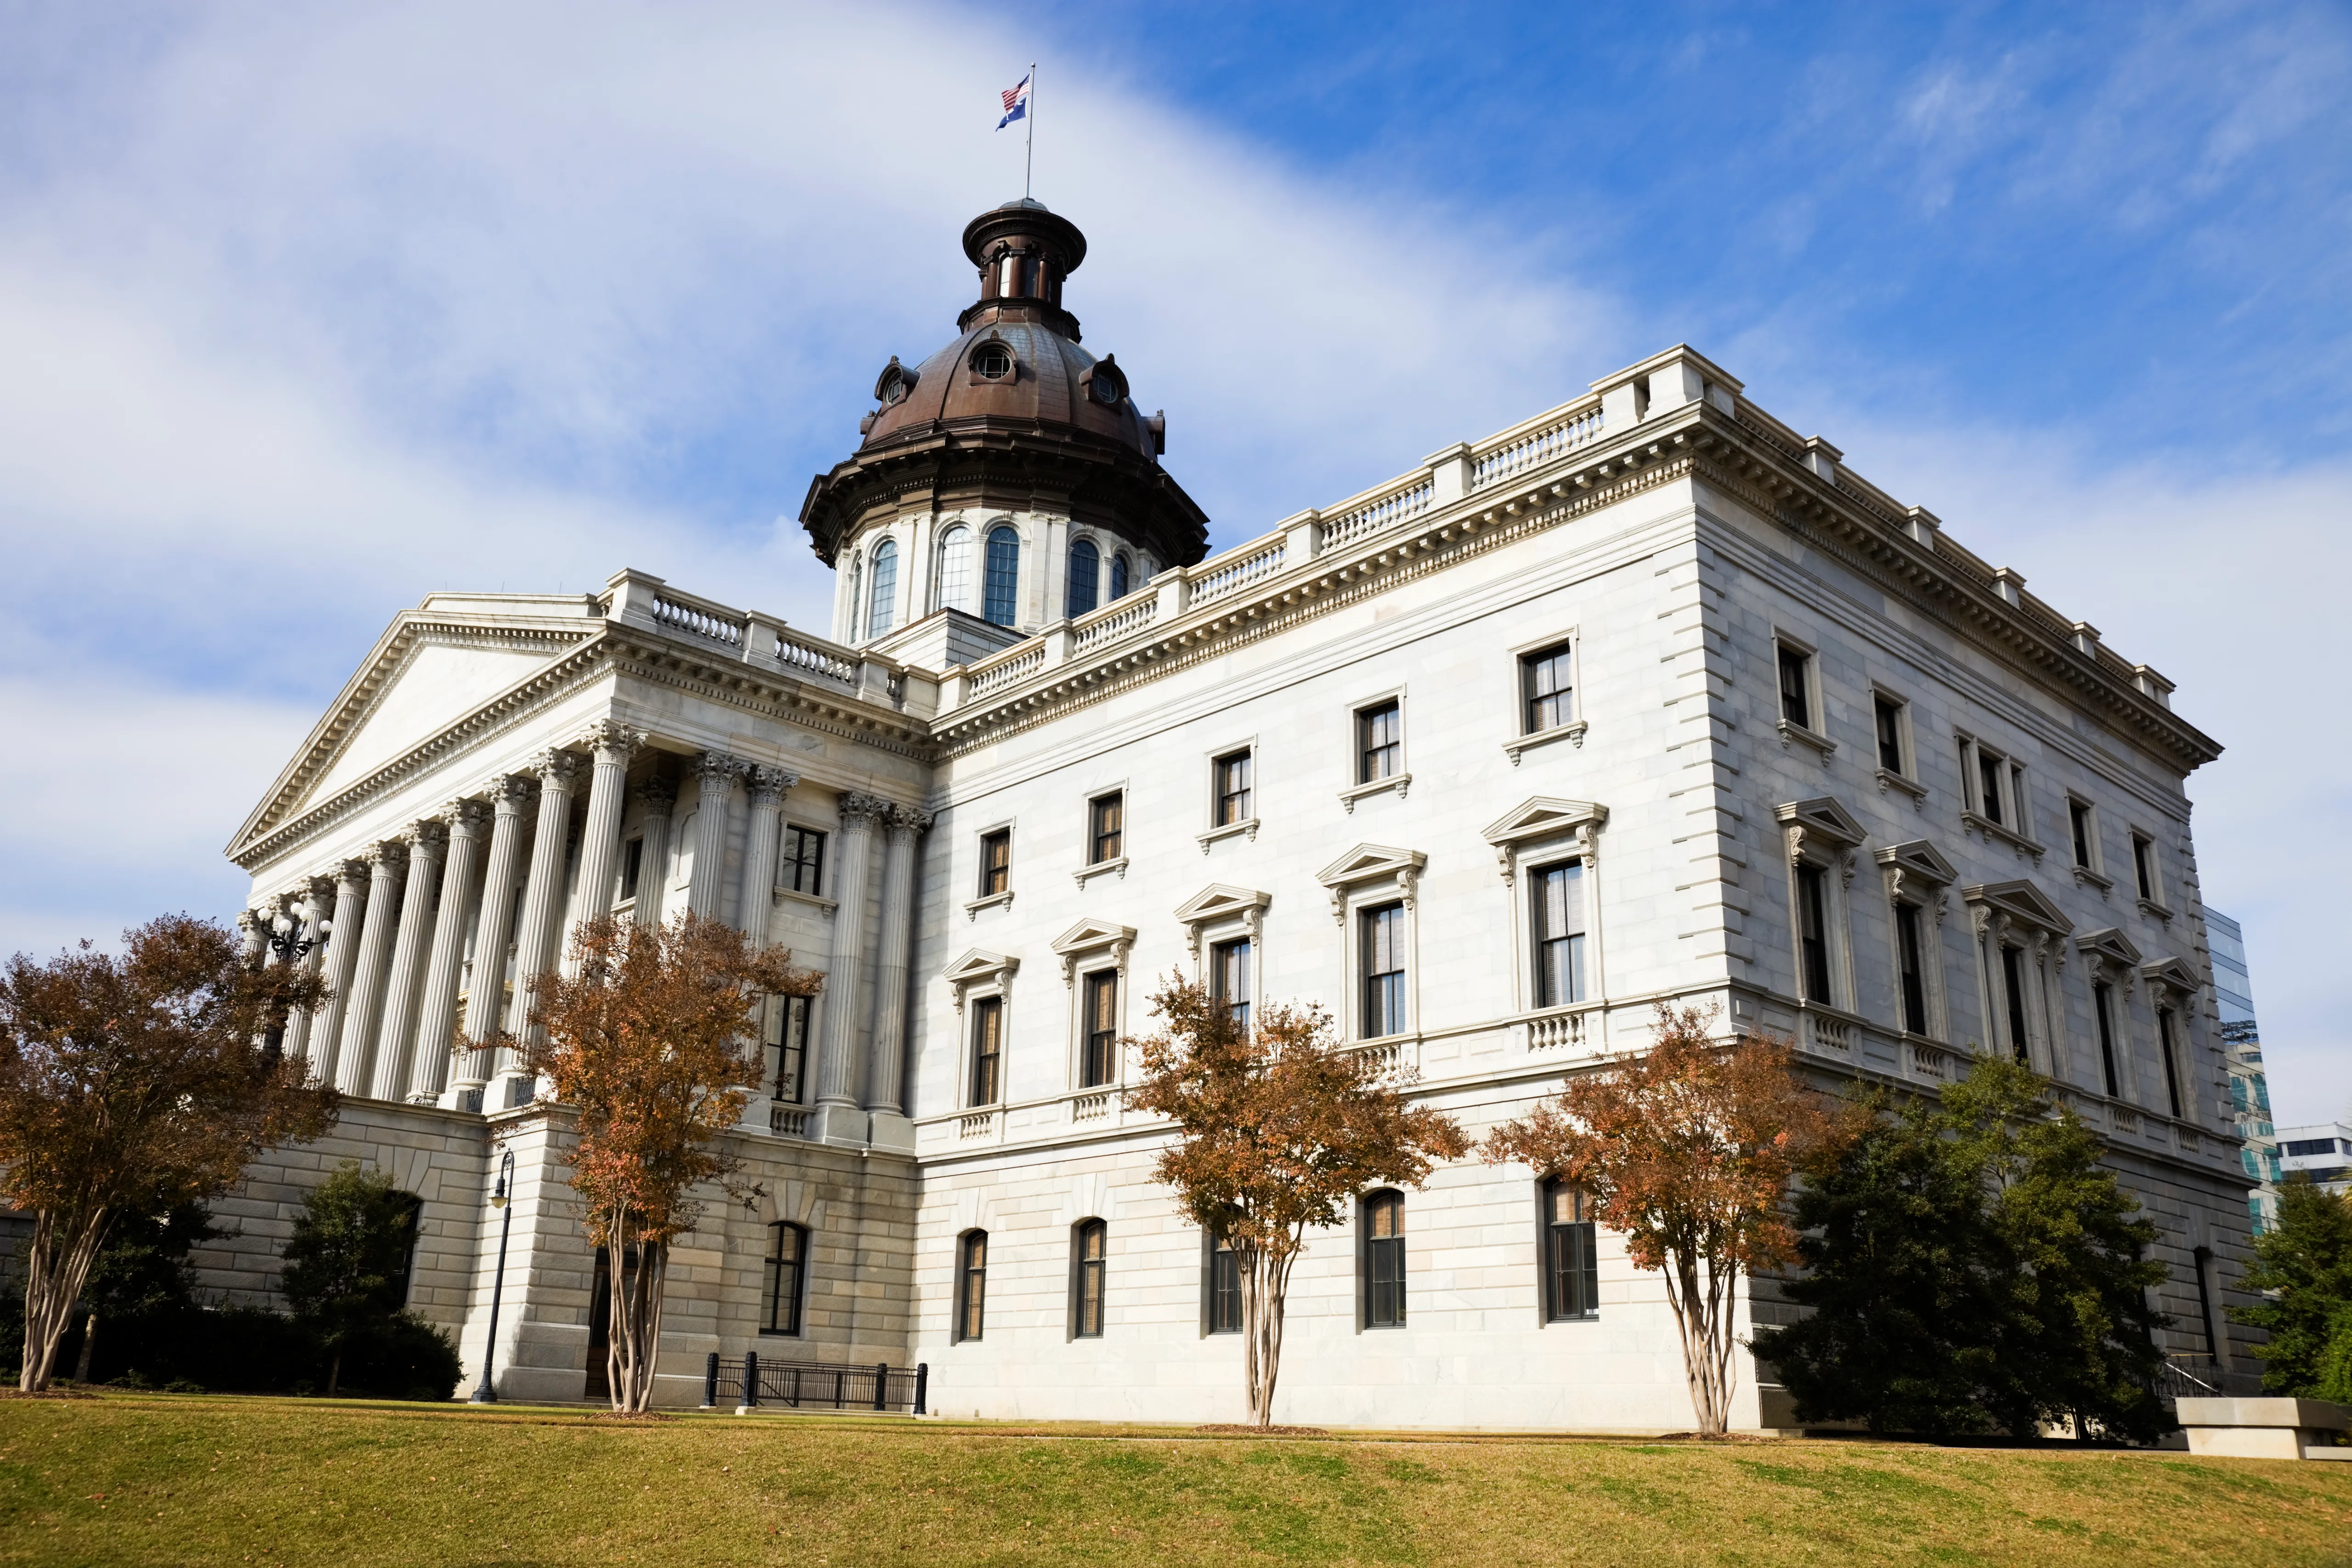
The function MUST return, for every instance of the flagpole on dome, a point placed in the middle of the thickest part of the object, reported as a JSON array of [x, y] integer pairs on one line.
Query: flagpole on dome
[[1029, 158]]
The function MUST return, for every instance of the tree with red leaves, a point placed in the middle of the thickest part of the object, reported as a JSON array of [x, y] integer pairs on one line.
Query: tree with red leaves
[[1689, 1150], [649, 1039], [1279, 1128], [130, 1085]]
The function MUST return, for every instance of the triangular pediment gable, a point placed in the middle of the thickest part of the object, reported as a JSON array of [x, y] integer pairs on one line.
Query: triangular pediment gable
[[2170, 970], [1369, 862], [1542, 815], [1825, 818], [1917, 857], [2108, 945], [978, 966], [1219, 901], [1092, 933], [2021, 901]]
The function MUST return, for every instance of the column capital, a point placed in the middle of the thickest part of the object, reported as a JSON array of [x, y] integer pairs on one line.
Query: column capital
[[719, 770], [425, 837], [386, 856], [611, 740], [658, 795], [466, 816], [861, 810], [354, 870], [556, 768], [509, 794], [909, 820], [768, 784], [321, 889], [252, 922]]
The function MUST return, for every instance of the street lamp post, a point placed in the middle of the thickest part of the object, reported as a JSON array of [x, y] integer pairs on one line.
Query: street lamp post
[[500, 1192]]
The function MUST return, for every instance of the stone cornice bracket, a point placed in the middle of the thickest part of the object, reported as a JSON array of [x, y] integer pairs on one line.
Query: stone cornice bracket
[[610, 738], [863, 810], [768, 784], [910, 818]]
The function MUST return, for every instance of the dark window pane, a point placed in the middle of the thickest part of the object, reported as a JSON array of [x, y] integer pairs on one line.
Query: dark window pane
[[2166, 1047], [2102, 1002], [2012, 970], [995, 862], [1915, 976], [1229, 978], [1544, 684], [1557, 902], [633, 860], [1119, 576], [1385, 1261], [884, 603], [987, 1048], [1092, 1247], [1101, 1063], [1796, 698], [1085, 565], [971, 1291], [2078, 817], [1002, 584], [2143, 870], [1380, 738], [1107, 828], [788, 1026], [1989, 785], [1382, 936], [1573, 1284], [1233, 789], [1890, 735], [1224, 1287], [779, 1299], [1813, 933], [801, 868]]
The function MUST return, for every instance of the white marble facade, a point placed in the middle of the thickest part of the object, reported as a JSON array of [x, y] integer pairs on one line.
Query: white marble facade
[[1671, 536]]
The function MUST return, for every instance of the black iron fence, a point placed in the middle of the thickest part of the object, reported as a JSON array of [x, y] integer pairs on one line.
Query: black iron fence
[[2195, 1377], [748, 1383]]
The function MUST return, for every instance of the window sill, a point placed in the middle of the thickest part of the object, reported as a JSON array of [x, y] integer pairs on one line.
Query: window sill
[[1573, 1317], [794, 895], [1991, 830], [1354, 792], [1889, 779], [1248, 825], [1574, 732], [781, 1334], [2084, 875], [1823, 747], [2150, 907], [994, 900], [1115, 867]]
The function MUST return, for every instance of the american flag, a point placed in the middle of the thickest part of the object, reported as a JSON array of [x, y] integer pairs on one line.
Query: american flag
[[1017, 104]]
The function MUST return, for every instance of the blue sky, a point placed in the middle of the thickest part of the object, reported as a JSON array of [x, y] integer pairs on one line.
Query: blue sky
[[315, 309]]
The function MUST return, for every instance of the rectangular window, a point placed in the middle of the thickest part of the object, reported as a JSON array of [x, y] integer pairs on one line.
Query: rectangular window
[[2103, 1004], [1543, 689], [1105, 827], [1086, 1288], [1572, 1276], [2144, 866], [1380, 742], [802, 866], [633, 860], [2166, 1046], [1914, 968], [1101, 1002], [787, 1036], [1795, 687], [2020, 801], [971, 1285], [1988, 788], [1889, 715], [1232, 772], [1229, 979], [1224, 1287], [2078, 820], [1813, 932], [1385, 1261], [780, 1292], [2012, 973], [1556, 898], [1383, 959], [995, 862], [987, 1048]]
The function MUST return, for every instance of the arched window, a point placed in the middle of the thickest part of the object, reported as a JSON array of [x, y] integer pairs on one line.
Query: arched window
[[1224, 1285], [1002, 584], [955, 569], [1090, 1244], [1085, 563], [1119, 576], [1572, 1279], [787, 1279], [1385, 1260], [884, 601], [971, 1285]]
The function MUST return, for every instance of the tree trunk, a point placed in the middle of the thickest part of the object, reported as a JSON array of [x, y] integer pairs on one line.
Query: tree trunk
[[1702, 1314], [57, 1267], [335, 1372], [88, 1342], [635, 1343], [1266, 1286]]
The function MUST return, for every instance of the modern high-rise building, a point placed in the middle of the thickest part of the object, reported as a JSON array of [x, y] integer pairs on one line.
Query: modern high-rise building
[[2242, 1042], [2322, 1151]]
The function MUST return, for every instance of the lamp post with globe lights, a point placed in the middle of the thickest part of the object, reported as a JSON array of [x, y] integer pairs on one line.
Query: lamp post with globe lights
[[502, 1189]]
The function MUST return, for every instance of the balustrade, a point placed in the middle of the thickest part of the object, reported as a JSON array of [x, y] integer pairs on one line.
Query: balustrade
[[1537, 446], [698, 619], [1238, 569], [1378, 513]]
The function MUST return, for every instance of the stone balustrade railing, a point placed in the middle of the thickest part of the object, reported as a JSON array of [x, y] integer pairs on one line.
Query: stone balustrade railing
[[1237, 569], [1113, 621], [807, 657], [1399, 504], [1518, 450], [675, 611]]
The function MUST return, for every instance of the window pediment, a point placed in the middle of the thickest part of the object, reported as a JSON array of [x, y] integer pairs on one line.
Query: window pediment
[[2171, 972], [979, 967], [1917, 872], [2019, 903], [1824, 819], [2109, 948], [1219, 902], [1092, 936], [1370, 863], [1541, 817]]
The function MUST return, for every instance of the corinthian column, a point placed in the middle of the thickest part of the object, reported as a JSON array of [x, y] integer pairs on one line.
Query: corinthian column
[[759, 887], [341, 962], [437, 1014], [660, 798], [313, 911], [845, 979], [485, 989], [599, 840], [425, 841], [355, 1056], [251, 925], [715, 774], [885, 1067]]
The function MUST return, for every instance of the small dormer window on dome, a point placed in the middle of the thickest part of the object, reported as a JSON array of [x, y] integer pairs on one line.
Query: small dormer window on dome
[[1104, 383], [991, 362], [893, 385]]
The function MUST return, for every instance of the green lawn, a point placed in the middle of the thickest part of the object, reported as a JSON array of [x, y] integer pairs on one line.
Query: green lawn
[[161, 1478]]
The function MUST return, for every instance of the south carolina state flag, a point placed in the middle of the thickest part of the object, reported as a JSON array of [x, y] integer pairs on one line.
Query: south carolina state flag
[[1017, 104]]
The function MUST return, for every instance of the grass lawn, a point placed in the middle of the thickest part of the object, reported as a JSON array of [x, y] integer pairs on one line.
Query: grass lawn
[[162, 1479]]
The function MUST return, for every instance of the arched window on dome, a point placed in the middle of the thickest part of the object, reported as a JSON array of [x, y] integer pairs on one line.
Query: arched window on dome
[[1085, 563], [1002, 584], [884, 601], [1118, 575], [955, 569]]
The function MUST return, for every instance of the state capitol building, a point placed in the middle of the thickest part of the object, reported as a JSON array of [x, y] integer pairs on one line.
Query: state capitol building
[[1646, 698]]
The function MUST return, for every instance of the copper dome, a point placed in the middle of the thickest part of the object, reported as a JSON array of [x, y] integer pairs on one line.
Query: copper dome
[[1013, 412]]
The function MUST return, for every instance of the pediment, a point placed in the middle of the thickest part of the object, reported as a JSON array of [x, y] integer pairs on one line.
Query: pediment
[[1090, 933], [1544, 816], [2108, 945], [1823, 817], [1369, 862], [1917, 857], [2170, 970], [1219, 901], [435, 684], [977, 966], [2021, 901]]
